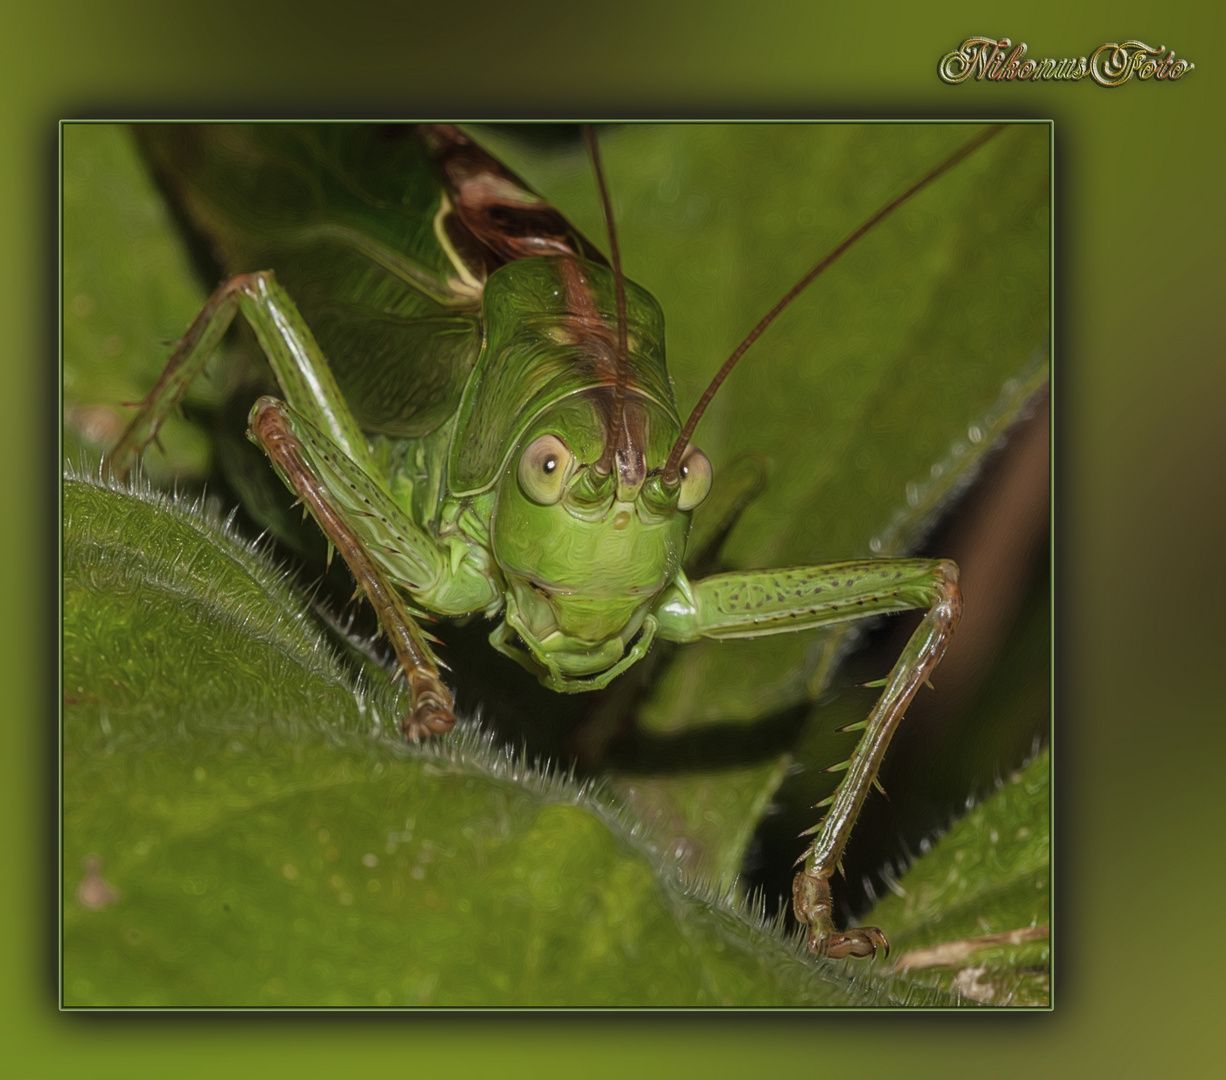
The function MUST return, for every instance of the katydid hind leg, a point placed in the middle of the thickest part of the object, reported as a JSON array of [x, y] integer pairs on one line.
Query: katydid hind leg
[[297, 362], [186, 363], [811, 897]]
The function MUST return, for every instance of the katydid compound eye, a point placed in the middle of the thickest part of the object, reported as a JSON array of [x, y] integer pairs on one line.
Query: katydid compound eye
[[695, 478], [543, 469]]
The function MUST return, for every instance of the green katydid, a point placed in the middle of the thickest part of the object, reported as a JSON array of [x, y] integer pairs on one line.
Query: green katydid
[[491, 485]]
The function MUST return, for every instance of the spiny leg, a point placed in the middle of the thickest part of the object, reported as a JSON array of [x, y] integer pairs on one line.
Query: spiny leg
[[432, 709], [811, 898], [756, 603], [187, 361]]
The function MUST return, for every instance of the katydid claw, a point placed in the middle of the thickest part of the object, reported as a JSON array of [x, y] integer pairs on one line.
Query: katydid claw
[[430, 716], [813, 907], [858, 941]]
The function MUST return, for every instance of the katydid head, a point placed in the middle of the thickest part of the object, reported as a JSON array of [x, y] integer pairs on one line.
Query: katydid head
[[585, 555]]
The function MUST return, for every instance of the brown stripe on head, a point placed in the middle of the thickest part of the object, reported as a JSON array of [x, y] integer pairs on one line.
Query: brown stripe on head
[[587, 330], [583, 326], [630, 449]]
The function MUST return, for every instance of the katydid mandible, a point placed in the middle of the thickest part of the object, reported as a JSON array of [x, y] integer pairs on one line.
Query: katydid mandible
[[540, 474]]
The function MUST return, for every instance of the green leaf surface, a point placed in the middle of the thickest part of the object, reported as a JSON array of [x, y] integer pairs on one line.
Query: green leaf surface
[[238, 832], [705, 819], [977, 906]]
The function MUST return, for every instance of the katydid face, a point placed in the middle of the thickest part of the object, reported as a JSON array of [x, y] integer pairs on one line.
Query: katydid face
[[584, 556]]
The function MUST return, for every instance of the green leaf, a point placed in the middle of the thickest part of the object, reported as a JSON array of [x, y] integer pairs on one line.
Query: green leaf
[[977, 906], [706, 819], [239, 831]]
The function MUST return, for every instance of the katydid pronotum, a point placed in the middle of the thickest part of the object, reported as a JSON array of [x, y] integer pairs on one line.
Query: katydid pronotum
[[461, 461]]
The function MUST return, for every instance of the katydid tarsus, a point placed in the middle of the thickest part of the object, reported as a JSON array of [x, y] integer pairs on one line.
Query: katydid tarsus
[[526, 459]]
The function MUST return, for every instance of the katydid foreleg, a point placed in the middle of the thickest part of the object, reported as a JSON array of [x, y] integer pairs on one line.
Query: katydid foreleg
[[762, 602], [318, 449], [432, 704]]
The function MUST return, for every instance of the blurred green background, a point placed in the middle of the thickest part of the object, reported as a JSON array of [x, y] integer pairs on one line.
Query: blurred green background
[[1139, 464]]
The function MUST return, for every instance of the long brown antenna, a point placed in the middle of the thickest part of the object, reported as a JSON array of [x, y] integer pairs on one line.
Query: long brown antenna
[[605, 465], [672, 474]]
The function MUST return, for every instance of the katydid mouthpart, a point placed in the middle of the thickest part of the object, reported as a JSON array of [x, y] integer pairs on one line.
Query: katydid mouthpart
[[480, 419]]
